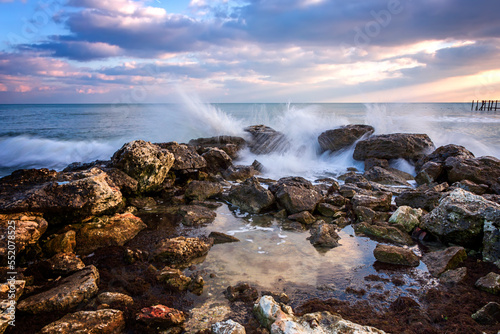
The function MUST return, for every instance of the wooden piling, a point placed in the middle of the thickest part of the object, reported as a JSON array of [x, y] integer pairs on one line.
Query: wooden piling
[[486, 105]]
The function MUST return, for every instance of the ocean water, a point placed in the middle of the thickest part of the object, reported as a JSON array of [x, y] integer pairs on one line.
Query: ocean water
[[53, 136]]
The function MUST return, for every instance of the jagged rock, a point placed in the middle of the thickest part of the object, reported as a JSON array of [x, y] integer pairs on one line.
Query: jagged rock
[[442, 153], [241, 292], [107, 231], [174, 279], [304, 217], [426, 200], [23, 229], [125, 183], [65, 263], [295, 194], [250, 196], [81, 194], [380, 201], [115, 299], [324, 236], [181, 250], [217, 160], [489, 314], [386, 176], [185, 157], [430, 172], [107, 321], [229, 144], [238, 173], [201, 190], [489, 283], [228, 327], [387, 233], [145, 162], [406, 217], [142, 202], [440, 261], [460, 218], [343, 137], [266, 140], [222, 238], [60, 243], [327, 210], [70, 292], [394, 146], [396, 255], [482, 170], [374, 162], [193, 215], [367, 215], [478, 189], [161, 316], [453, 276]]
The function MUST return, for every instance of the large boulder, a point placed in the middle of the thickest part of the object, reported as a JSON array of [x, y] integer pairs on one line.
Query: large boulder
[[460, 218], [406, 217], [440, 261], [266, 140], [250, 196], [20, 230], [296, 194], [217, 160], [145, 162], [324, 235], [343, 137], [394, 146], [69, 293], [201, 190], [396, 255], [108, 321], [482, 170], [181, 250], [229, 144], [387, 176], [185, 157]]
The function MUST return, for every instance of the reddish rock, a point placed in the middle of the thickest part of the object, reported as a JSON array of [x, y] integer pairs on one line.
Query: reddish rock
[[161, 316]]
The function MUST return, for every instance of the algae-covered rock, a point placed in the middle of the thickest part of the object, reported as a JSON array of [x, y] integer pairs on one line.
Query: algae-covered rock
[[396, 255], [406, 217]]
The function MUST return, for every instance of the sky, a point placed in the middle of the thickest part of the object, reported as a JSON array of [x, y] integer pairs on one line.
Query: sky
[[232, 51]]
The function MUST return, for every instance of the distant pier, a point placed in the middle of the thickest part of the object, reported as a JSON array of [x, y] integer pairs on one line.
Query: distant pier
[[486, 105]]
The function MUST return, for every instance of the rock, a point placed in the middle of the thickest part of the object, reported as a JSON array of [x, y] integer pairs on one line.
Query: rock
[[142, 202], [406, 217], [453, 276], [222, 238], [65, 263], [440, 261], [482, 170], [279, 319], [295, 194], [125, 183], [22, 230], [174, 279], [380, 201], [374, 162], [460, 217], [491, 242], [266, 140], [228, 327], [181, 250], [431, 172], [478, 189], [229, 144], [241, 292], [396, 255], [239, 173], [115, 300], [161, 316], [201, 190], [78, 194], [385, 233], [60, 243], [442, 153], [250, 196], [185, 157], [327, 210], [385, 176], [426, 200], [343, 137], [217, 160], [394, 146], [489, 314], [489, 283], [69, 293], [194, 215], [107, 231], [145, 162], [324, 236], [304, 217], [106, 321]]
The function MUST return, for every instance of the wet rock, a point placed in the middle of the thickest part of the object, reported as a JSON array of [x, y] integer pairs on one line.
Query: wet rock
[[185, 157], [367, 215], [442, 153], [181, 250], [125, 183], [266, 140], [406, 217], [304, 217], [396, 255], [217, 160], [229, 144], [482, 170], [478, 189], [394, 146], [239, 173], [374, 162], [295, 194], [107, 321], [115, 300], [107, 231], [23, 230], [194, 215], [161, 316], [491, 242], [241, 292], [424, 199], [228, 327], [201, 190], [145, 162], [250, 196], [460, 217], [60, 243], [222, 238], [430, 172], [65, 263], [453, 276], [489, 283], [173, 279], [380, 201], [489, 314], [69, 293], [327, 210], [343, 137], [440, 261], [142, 202], [385, 233], [324, 236], [335, 199], [385, 176]]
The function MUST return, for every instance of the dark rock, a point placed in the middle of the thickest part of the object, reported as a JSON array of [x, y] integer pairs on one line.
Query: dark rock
[[24, 229], [324, 235], [107, 321], [125, 183], [374, 162], [217, 160], [430, 172], [65, 263], [440, 261], [426, 200], [142, 202], [489, 314], [186, 157], [194, 215], [364, 214], [201, 190], [380, 201], [385, 233], [304, 217], [489, 283], [453, 276], [295, 194], [396, 255], [394, 146], [343, 137], [160, 316], [241, 292], [384, 176], [483, 170], [250, 196], [239, 173], [222, 238], [442, 153], [229, 144], [115, 299], [173, 279], [266, 140], [181, 250], [327, 210], [60, 243], [478, 189]]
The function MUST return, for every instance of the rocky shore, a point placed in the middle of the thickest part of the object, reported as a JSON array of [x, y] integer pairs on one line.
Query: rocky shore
[[92, 256]]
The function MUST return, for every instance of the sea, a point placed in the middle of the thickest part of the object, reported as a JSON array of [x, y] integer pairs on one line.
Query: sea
[[55, 135]]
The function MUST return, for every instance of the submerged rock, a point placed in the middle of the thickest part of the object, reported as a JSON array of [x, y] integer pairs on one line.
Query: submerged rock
[[396, 255], [382, 232], [343, 137], [440, 261], [250, 196], [107, 321], [222, 238], [242, 292]]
